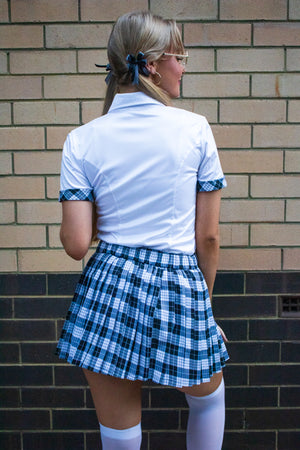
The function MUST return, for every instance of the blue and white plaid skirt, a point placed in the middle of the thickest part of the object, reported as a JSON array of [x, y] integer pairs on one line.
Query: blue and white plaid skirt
[[143, 314]]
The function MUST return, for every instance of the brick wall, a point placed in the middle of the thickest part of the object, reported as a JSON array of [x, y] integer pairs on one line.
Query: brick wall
[[243, 75]]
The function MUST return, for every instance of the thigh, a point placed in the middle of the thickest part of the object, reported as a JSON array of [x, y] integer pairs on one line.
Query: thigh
[[200, 390], [117, 402]]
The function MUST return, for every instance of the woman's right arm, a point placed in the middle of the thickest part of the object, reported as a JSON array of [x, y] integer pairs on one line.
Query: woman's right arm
[[76, 227], [207, 238], [207, 235]]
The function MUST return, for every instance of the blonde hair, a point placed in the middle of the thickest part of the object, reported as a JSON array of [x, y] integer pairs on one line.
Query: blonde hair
[[139, 32]]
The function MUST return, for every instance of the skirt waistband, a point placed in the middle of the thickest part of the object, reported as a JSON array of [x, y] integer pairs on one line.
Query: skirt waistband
[[150, 256]]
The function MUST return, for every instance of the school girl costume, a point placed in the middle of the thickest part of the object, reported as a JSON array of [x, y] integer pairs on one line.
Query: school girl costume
[[141, 308]]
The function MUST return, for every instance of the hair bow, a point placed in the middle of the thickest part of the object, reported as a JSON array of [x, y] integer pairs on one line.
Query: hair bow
[[137, 65], [108, 69]]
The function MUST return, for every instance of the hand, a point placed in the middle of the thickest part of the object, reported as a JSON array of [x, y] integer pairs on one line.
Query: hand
[[222, 334]]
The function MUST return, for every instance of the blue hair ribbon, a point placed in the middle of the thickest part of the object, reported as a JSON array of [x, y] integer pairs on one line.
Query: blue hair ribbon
[[108, 69], [137, 65]]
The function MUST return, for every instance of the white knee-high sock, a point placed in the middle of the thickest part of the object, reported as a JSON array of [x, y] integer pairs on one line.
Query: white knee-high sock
[[206, 420], [128, 439]]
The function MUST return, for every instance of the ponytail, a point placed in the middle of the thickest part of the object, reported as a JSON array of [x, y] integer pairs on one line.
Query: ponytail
[[139, 32]]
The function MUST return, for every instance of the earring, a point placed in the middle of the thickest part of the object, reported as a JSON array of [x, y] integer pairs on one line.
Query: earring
[[159, 76]]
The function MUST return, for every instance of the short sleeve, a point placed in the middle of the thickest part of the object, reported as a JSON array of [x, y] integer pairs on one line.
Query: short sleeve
[[210, 175], [74, 184]]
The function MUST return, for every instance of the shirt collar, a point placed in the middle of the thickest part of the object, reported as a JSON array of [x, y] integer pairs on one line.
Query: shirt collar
[[132, 99]]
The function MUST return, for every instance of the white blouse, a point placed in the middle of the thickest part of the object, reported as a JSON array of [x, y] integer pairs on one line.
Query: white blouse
[[142, 163]]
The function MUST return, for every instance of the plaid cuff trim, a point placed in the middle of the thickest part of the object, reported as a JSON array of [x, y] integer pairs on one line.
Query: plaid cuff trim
[[76, 194], [214, 185]]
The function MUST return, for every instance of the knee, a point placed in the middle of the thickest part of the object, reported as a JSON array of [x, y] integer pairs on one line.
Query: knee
[[204, 389], [217, 397]]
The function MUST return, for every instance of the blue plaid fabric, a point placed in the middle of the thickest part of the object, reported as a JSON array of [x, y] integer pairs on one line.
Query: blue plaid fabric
[[76, 194], [143, 314], [213, 185]]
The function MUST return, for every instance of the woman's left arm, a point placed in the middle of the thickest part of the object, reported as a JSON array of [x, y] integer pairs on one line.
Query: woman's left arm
[[76, 227]]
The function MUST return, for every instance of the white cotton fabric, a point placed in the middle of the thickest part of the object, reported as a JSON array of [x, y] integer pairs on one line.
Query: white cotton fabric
[[206, 420], [142, 162], [127, 439]]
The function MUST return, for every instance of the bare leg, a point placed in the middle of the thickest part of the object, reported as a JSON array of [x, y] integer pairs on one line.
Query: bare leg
[[118, 407], [117, 402], [200, 390]]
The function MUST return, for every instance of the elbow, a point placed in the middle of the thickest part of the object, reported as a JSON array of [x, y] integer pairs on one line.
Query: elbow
[[75, 248], [210, 241], [76, 254], [209, 238], [213, 239]]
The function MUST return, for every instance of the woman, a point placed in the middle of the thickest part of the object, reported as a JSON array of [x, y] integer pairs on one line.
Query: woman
[[141, 309]]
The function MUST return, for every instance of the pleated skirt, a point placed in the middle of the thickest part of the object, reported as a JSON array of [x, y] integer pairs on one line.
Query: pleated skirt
[[143, 314]]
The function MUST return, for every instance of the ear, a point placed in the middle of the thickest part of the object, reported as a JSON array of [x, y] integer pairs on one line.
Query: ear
[[152, 66]]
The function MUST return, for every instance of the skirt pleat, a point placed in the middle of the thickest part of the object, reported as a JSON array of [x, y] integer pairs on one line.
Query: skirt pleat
[[142, 314]]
